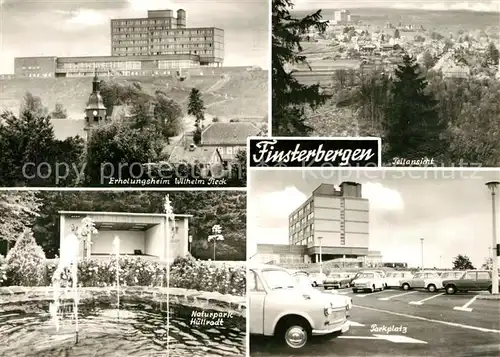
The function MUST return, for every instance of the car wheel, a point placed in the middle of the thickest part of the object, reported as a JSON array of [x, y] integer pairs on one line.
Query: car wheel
[[406, 286], [295, 335], [372, 289], [450, 289], [431, 288], [490, 289]]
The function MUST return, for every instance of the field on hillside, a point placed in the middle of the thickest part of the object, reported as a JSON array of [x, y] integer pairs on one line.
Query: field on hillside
[[229, 96]]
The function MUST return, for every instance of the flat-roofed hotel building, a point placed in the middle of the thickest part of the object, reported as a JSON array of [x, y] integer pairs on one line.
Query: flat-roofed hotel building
[[139, 47], [336, 219]]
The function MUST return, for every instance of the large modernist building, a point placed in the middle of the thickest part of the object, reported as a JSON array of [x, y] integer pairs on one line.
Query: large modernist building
[[139, 47], [336, 220], [331, 222]]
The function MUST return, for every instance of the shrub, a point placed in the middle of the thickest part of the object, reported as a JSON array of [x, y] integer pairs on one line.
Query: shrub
[[25, 261], [188, 273], [133, 271]]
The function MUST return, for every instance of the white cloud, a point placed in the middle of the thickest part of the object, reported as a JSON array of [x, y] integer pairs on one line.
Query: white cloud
[[382, 198], [142, 5], [87, 17], [278, 204]]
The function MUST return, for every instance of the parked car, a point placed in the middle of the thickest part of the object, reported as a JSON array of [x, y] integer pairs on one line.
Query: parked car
[[368, 281], [280, 307], [317, 279], [303, 281], [336, 281], [430, 280], [470, 280], [393, 279], [383, 275]]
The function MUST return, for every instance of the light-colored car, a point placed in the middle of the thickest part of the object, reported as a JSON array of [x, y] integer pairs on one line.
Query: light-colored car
[[430, 280], [371, 281], [317, 279], [303, 281], [393, 279], [280, 307]]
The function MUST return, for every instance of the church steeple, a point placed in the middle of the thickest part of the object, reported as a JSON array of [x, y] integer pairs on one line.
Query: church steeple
[[95, 82], [95, 112]]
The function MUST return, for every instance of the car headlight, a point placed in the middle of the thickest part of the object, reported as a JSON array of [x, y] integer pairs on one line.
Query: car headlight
[[328, 309]]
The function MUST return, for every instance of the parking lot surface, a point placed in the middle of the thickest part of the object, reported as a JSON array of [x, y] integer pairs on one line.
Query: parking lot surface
[[406, 323]]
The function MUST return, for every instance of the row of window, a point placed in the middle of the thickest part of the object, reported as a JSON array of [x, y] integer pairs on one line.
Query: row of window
[[31, 67], [302, 221], [307, 231], [164, 64], [143, 22], [136, 44], [305, 241], [125, 65], [39, 75], [303, 211], [158, 50], [165, 31]]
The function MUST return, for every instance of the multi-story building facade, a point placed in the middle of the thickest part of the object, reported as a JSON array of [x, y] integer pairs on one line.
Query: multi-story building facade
[[163, 34], [151, 46], [331, 222]]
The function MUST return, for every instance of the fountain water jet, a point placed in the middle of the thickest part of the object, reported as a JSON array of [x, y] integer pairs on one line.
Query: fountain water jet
[[60, 280], [170, 216], [116, 244]]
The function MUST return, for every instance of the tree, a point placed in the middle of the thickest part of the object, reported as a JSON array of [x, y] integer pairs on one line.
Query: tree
[[168, 115], [238, 170], [33, 104], [428, 60], [488, 264], [196, 108], [118, 150], [341, 77], [59, 112], [492, 54], [30, 151], [18, 209], [397, 34], [412, 127], [462, 262], [290, 98], [26, 261], [141, 114]]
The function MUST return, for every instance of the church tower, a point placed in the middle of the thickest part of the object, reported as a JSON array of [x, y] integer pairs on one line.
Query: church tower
[[95, 112]]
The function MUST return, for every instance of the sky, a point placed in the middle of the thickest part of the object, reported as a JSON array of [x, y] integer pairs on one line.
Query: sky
[[451, 210], [81, 28], [472, 5]]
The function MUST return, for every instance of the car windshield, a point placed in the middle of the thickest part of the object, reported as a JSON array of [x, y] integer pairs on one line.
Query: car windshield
[[279, 279], [366, 276]]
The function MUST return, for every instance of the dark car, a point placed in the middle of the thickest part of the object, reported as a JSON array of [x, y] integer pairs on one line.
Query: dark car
[[471, 280], [337, 281]]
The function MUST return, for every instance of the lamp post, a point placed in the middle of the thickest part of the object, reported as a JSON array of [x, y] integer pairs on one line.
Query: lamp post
[[216, 230], [422, 253], [320, 255], [493, 186]]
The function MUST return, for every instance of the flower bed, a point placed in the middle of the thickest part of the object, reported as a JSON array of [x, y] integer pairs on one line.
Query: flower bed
[[189, 273], [186, 273]]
